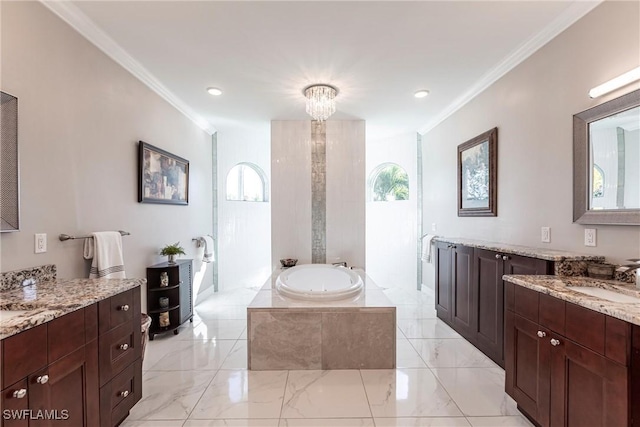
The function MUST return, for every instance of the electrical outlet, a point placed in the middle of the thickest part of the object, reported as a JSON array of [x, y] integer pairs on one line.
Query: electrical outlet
[[590, 237], [545, 234], [41, 243], [433, 226]]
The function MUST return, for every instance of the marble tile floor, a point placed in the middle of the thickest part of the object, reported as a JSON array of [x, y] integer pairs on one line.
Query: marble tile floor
[[199, 378]]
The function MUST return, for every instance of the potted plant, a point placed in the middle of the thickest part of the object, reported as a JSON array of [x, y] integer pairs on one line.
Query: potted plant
[[172, 250]]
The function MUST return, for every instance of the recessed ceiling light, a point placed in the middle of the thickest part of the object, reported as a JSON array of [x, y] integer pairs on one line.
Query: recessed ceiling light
[[214, 91], [421, 93]]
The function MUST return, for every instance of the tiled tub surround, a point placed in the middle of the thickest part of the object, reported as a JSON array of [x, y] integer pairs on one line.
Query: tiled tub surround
[[14, 279], [557, 287], [29, 306], [564, 263], [285, 333]]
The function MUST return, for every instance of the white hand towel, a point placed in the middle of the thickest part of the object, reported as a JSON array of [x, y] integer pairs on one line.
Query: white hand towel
[[426, 247], [108, 262], [208, 249]]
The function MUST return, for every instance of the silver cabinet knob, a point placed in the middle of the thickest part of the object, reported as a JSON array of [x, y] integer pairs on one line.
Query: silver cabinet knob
[[124, 307], [20, 394], [124, 347], [555, 342], [497, 256], [124, 393], [43, 379], [505, 258], [542, 334]]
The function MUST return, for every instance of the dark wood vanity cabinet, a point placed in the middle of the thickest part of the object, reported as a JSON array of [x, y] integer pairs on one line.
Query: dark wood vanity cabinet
[[61, 371], [470, 292], [567, 365]]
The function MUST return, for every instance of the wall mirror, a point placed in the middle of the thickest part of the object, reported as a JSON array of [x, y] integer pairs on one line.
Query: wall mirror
[[9, 173], [606, 162]]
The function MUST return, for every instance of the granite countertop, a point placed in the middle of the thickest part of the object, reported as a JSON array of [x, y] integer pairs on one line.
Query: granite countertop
[[33, 305], [540, 253], [268, 297], [556, 286]]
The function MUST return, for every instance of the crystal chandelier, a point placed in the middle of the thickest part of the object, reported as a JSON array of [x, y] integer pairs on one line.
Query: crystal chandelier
[[321, 103]]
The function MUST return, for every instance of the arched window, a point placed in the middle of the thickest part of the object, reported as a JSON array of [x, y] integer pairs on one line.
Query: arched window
[[388, 182], [247, 182], [598, 182]]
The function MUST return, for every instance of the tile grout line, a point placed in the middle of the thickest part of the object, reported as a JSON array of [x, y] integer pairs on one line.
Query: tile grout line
[[366, 395], [284, 395], [202, 395]]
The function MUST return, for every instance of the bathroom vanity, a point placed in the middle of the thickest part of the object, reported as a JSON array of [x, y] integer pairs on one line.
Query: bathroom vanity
[[71, 352], [470, 290], [573, 359]]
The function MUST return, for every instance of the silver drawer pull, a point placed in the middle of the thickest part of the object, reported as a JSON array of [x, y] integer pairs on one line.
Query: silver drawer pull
[[123, 308], [124, 393], [498, 256], [542, 334], [43, 379], [555, 342], [124, 347], [505, 258], [20, 394]]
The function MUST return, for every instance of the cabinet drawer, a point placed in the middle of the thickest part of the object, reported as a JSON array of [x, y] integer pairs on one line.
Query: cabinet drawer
[[552, 313], [116, 310], [585, 327], [118, 349], [526, 303], [23, 354], [119, 395], [9, 402], [65, 334]]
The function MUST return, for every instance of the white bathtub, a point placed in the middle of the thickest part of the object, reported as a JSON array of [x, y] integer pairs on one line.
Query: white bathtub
[[319, 282]]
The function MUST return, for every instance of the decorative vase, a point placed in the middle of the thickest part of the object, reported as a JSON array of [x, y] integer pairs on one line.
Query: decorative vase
[[172, 259], [163, 319], [163, 302], [164, 279]]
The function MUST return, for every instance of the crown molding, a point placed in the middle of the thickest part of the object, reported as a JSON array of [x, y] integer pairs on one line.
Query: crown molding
[[573, 13], [80, 22]]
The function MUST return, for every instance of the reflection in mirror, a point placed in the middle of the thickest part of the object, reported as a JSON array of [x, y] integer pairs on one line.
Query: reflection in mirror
[[615, 161]]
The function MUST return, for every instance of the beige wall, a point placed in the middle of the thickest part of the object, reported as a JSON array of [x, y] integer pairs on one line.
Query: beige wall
[[532, 106], [80, 118]]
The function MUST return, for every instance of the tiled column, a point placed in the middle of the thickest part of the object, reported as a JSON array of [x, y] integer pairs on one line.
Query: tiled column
[[318, 192]]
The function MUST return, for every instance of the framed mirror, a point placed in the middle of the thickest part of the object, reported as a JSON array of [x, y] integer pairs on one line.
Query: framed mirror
[[9, 166], [606, 162]]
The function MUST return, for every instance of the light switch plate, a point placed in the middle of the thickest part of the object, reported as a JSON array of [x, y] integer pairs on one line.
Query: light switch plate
[[545, 234], [40, 243], [590, 237]]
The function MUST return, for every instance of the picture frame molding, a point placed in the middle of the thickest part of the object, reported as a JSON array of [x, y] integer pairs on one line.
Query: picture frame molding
[[491, 136], [142, 146]]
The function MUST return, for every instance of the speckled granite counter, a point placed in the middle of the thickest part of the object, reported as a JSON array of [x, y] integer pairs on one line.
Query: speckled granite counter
[[557, 287], [26, 307], [540, 253]]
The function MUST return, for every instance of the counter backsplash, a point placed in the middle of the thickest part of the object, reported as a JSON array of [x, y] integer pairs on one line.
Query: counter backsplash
[[13, 279]]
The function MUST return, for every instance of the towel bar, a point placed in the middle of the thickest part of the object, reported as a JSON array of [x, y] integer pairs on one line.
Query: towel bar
[[64, 237]]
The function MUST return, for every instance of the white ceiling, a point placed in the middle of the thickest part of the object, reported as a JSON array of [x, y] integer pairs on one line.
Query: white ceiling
[[262, 54]]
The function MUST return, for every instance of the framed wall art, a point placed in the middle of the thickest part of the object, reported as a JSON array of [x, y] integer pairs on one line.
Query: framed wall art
[[163, 177], [478, 175]]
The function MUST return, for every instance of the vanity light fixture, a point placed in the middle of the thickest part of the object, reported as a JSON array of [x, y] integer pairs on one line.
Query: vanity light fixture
[[618, 82], [214, 91], [421, 93], [321, 101]]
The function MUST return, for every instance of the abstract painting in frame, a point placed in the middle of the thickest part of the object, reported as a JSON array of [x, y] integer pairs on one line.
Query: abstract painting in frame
[[477, 175], [163, 177]]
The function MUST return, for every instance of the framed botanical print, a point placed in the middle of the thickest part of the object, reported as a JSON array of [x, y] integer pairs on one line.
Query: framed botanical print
[[478, 175]]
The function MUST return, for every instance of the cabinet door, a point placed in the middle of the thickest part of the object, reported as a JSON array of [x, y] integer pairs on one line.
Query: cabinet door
[[635, 375], [489, 291], [443, 281], [14, 404], [515, 264], [186, 297], [586, 388], [527, 367], [62, 398], [464, 301]]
